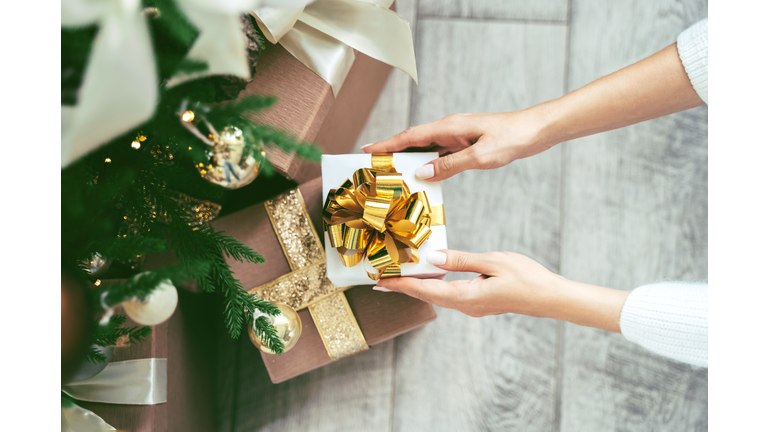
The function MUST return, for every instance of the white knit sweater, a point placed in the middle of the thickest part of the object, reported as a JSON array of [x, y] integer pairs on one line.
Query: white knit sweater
[[670, 318]]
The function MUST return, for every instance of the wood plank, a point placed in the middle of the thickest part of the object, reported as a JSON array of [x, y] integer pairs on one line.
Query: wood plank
[[635, 211], [494, 373], [547, 10], [352, 394]]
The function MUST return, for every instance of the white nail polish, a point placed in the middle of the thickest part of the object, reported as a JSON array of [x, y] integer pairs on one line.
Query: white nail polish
[[425, 172], [367, 145], [437, 258], [381, 288]]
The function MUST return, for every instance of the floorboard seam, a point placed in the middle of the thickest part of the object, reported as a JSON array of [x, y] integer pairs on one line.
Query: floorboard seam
[[493, 19], [560, 328]]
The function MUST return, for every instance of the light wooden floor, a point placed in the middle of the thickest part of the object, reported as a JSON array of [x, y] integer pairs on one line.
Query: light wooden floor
[[618, 209]]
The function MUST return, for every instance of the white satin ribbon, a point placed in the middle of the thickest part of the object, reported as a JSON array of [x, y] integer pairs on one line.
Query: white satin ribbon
[[79, 419], [324, 35], [132, 382]]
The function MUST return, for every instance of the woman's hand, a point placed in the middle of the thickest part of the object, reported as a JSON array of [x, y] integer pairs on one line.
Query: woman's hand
[[651, 88], [512, 283], [471, 141]]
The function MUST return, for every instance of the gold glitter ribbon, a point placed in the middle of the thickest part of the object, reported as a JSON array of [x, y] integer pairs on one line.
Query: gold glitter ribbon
[[307, 285], [376, 216]]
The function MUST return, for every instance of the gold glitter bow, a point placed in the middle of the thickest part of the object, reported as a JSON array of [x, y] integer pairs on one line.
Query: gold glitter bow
[[307, 286], [376, 216]]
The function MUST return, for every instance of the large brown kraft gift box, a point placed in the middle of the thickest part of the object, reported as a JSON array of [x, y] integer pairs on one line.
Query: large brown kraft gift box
[[307, 109], [381, 316], [186, 340]]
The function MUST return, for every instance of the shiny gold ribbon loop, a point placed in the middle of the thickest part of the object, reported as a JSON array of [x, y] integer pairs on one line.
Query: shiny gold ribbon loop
[[375, 216]]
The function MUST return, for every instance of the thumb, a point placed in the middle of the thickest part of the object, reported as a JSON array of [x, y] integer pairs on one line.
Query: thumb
[[457, 261], [448, 165]]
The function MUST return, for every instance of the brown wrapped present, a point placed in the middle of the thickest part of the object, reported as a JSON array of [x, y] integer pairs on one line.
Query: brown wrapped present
[[285, 232], [307, 109], [185, 340]]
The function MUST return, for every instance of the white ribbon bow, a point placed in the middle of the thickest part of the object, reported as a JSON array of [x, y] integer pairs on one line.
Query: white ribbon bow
[[120, 88], [324, 35]]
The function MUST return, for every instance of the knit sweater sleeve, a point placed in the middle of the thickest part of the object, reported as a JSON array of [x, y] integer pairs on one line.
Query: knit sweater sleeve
[[692, 47], [670, 319]]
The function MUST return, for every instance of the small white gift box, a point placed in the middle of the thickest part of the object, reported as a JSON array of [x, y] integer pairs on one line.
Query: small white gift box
[[338, 168]]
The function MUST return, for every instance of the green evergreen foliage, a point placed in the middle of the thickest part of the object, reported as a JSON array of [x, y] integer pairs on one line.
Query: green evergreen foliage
[[122, 202]]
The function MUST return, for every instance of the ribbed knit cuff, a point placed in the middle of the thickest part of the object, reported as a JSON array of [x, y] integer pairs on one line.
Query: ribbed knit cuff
[[692, 47], [670, 319]]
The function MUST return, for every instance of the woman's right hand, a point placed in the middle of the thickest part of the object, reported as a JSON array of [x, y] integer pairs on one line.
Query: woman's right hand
[[472, 141]]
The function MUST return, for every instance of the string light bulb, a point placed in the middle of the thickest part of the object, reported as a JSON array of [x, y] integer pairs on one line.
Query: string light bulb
[[135, 145], [188, 116], [108, 160]]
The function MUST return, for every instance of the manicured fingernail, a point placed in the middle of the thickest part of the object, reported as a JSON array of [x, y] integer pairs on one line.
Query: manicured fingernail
[[366, 145], [425, 172], [381, 288], [437, 258]]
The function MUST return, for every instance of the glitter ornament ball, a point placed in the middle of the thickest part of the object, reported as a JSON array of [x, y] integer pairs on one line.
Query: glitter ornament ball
[[231, 162], [288, 326], [98, 265], [157, 307]]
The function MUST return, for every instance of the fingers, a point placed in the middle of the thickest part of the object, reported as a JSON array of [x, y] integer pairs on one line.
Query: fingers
[[435, 291], [417, 136], [448, 165], [451, 260]]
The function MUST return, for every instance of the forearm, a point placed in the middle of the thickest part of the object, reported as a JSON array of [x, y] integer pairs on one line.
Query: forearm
[[587, 305], [653, 87]]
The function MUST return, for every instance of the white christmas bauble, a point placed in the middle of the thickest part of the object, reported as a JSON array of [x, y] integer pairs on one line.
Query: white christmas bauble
[[156, 307]]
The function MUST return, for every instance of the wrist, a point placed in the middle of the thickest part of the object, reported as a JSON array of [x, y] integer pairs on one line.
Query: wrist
[[546, 118], [590, 305]]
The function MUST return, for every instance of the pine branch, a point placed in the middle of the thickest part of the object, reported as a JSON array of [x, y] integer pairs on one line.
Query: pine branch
[[139, 334], [95, 356], [229, 113], [267, 333], [142, 285], [235, 249], [287, 142], [127, 247]]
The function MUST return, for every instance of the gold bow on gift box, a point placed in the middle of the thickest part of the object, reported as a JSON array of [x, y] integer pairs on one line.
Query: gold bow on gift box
[[376, 216]]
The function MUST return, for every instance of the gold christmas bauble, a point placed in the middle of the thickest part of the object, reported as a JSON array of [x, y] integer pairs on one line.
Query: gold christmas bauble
[[231, 162], [288, 326]]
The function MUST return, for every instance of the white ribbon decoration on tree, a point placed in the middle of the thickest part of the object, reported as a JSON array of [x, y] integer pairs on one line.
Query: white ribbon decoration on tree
[[324, 35], [120, 89]]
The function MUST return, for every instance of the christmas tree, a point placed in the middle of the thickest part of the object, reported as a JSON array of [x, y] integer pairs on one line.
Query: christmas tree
[[135, 183]]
